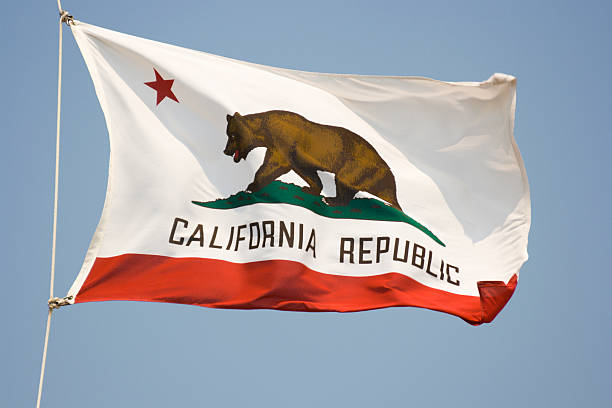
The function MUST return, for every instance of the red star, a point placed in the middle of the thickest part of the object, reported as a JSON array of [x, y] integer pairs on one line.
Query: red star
[[163, 87]]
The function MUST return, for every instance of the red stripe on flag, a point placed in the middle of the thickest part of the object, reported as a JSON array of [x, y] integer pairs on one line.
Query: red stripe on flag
[[276, 284]]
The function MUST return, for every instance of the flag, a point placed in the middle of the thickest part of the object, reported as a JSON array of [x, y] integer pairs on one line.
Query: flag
[[244, 186]]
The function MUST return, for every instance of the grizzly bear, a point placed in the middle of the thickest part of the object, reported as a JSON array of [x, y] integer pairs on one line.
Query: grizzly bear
[[295, 143]]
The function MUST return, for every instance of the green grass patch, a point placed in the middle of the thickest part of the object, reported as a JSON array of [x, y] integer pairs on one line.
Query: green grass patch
[[278, 192]]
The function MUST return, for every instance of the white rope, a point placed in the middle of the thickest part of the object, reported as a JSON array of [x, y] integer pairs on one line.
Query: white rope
[[44, 359], [53, 301], [57, 145]]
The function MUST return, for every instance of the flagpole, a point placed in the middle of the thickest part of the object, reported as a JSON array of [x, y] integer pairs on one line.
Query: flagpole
[[53, 301]]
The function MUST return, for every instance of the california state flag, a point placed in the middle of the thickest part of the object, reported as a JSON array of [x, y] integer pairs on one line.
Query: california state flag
[[243, 186]]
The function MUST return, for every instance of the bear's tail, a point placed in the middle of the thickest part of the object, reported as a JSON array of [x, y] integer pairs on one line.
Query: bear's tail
[[391, 198], [395, 204], [389, 193]]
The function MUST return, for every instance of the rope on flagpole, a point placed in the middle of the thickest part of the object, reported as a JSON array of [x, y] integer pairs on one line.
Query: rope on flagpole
[[54, 302]]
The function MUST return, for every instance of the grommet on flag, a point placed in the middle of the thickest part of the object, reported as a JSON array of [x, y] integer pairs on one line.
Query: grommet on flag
[[66, 17], [56, 303]]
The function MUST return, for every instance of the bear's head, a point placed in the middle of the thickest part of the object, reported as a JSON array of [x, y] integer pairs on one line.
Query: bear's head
[[240, 140]]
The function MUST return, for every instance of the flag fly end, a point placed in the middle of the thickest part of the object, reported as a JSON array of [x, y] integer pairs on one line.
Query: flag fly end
[[494, 296]]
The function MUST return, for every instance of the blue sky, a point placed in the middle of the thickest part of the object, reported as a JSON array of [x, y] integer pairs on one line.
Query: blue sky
[[549, 347]]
